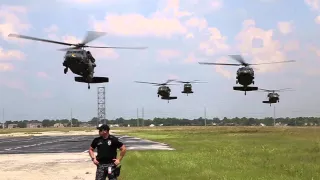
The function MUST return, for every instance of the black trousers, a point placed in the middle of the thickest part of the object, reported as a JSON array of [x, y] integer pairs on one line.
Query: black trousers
[[102, 172]]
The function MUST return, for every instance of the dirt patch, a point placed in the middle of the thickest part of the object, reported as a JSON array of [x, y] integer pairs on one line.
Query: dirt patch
[[47, 166]]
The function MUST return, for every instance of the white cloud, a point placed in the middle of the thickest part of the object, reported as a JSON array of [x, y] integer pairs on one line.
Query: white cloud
[[271, 49], [11, 54], [215, 43], [313, 4], [168, 54], [12, 20], [166, 22], [285, 27], [6, 67]]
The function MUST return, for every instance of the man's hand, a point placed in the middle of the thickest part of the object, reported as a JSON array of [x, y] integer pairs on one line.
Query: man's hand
[[95, 161], [116, 161]]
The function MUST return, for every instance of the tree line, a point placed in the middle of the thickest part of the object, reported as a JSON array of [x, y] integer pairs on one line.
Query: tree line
[[244, 121]]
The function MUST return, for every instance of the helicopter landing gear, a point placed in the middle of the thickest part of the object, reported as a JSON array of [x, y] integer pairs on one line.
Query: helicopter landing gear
[[237, 82], [65, 70], [252, 82], [245, 93], [158, 95], [88, 86]]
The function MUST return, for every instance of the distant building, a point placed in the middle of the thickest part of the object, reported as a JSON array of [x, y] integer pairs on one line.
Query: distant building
[[34, 125], [84, 124], [12, 126], [58, 125]]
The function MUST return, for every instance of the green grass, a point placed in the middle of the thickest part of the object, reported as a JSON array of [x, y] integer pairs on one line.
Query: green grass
[[38, 130], [226, 153]]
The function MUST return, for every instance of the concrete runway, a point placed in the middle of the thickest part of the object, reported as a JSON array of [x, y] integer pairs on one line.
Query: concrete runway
[[68, 144]]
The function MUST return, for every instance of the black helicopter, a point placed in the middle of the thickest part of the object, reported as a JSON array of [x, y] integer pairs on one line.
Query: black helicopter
[[272, 96], [164, 91], [77, 59], [187, 87], [245, 75]]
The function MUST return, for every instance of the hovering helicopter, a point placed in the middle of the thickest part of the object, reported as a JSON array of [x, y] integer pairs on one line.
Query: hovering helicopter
[[245, 75], [187, 87], [77, 59], [273, 96], [164, 91]]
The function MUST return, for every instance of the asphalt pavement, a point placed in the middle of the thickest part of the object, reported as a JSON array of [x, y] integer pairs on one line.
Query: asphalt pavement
[[68, 144]]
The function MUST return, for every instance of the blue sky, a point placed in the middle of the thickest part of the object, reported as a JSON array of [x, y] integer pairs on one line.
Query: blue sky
[[178, 35]]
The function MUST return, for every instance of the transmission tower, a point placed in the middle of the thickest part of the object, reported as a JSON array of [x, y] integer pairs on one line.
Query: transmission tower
[[101, 105]]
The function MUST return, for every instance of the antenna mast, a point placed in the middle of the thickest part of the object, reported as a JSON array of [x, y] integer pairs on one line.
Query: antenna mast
[[205, 116], [274, 115]]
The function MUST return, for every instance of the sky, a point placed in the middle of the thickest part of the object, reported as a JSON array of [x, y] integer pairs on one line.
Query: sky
[[178, 34]]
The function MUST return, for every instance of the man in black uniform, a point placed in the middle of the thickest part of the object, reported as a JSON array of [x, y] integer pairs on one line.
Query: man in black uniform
[[107, 146]]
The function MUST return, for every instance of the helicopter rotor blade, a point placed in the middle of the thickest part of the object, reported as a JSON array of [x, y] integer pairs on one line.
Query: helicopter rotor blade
[[275, 90], [275, 62], [225, 64], [112, 47], [265, 90], [190, 82], [240, 59], [147, 82], [92, 35], [39, 39], [168, 81], [68, 49]]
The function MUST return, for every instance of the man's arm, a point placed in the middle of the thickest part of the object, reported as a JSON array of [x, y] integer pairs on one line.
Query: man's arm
[[122, 148], [91, 153], [123, 151], [91, 149]]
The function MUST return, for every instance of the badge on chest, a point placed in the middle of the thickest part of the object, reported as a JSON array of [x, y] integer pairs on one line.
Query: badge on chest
[[109, 142]]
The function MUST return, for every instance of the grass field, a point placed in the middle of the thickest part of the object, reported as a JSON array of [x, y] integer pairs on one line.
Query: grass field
[[228, 153]]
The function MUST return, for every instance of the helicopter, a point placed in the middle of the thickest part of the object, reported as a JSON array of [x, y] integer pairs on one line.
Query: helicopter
[[164, 91], [187, 87], [77, 59], [273, 96], [245, 75]]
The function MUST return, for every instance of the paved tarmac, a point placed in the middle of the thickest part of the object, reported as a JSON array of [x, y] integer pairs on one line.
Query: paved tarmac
[[68, 144]]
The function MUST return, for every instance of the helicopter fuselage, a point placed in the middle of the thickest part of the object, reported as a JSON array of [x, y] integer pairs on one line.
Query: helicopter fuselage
[[79, 63], [187, 88], [273, 97], [164, 91], [245, 76]]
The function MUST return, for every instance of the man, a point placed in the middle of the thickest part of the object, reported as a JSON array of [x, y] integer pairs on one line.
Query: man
[[107, 146]]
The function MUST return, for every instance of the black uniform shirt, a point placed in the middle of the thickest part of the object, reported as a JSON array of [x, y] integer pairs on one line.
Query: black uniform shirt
[[106, 148]]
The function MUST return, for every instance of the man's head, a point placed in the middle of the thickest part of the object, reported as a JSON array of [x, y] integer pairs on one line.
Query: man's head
[[103, 130]]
